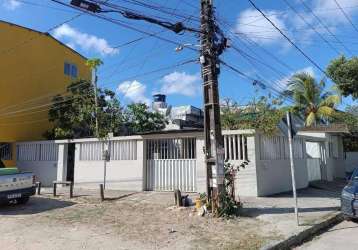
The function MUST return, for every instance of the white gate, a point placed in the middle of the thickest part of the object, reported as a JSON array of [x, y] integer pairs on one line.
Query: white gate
[[314, 169], [316, 161], [171, 164]]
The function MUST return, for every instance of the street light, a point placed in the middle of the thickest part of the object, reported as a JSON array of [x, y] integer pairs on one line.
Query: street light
[[180, 47]]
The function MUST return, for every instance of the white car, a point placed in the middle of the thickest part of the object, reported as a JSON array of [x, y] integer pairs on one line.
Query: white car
[[15, 186]]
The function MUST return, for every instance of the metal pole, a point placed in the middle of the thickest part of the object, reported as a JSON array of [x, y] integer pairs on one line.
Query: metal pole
[[214, 144], [94, 83], [292, 165], [105, 163]]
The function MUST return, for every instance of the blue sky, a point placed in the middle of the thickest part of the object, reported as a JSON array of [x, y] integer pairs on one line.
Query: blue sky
[[268, 57]]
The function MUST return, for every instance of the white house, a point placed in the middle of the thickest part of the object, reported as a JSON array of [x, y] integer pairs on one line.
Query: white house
[[166, 160]]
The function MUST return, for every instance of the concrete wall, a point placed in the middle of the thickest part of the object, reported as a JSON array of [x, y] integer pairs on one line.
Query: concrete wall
[[121, 174], [40, 158], [246, 179], [274, 176], [45, 171], [200, 166]]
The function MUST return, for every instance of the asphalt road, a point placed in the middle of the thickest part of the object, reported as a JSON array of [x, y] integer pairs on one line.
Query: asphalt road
[[342, 236]]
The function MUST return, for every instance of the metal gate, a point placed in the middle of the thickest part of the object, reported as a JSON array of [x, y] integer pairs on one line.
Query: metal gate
[[316, 161], [171, 164], [314, 169]]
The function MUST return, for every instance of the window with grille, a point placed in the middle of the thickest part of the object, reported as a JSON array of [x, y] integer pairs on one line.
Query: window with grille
[[5, 151], [174, 148]]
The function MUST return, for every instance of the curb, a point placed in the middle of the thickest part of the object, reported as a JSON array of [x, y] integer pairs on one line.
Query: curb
[[306, 234]]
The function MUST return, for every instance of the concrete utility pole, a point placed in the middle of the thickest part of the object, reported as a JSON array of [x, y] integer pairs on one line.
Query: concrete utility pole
[[214, 143], [290, 137]]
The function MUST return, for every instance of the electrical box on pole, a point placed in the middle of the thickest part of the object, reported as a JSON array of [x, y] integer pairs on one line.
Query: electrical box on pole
[[214, 143]]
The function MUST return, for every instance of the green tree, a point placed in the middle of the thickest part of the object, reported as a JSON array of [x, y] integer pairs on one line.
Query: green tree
[[344, 72], [139, 119], [73, 115], [312, 102], [349, 118], [94, 63], [263, 114]]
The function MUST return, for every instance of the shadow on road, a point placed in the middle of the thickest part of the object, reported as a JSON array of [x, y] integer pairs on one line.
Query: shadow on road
[[34, 206]]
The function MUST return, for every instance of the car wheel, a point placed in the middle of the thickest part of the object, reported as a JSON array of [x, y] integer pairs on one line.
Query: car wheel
[[23, 200]]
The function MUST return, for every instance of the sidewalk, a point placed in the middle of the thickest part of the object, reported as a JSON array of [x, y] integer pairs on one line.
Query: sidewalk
[[315, 206]]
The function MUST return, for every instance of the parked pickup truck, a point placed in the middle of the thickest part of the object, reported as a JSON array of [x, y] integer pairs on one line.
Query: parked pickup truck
[[15, 187]]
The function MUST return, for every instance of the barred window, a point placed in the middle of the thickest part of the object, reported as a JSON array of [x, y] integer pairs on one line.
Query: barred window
[[178, 148], [37, 152], [119, 150], [5, 151]]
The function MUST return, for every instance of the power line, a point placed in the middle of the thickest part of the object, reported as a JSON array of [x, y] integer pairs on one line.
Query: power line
[[36, 37], [318, 10], [324, 25], [346, 16], [278, 60], [120, 23], [44, 6], [288, 39], [301, 40], [158, 8], [311, 26], [249, 58], [254, 80], [56, 67], [127, 78]]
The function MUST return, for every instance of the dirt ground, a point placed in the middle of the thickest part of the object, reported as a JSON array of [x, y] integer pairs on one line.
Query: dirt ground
[[145, 220]]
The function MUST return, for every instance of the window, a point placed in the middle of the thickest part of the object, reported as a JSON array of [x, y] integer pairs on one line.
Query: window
[[74, 71], [5, 151], [67, 69], [70, 70]]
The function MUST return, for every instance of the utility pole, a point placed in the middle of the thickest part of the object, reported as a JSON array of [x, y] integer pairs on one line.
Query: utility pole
[[93, 64], [290, 137], [214, 143]]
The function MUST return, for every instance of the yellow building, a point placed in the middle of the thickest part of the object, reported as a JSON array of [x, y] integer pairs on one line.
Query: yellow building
[[34, 67]]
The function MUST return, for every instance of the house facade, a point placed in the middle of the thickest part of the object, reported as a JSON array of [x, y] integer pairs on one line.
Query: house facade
[[34, 68], [167, 160]]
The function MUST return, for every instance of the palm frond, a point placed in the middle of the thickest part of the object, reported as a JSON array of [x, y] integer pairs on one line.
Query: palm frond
[[331, 101], [310, 119], [325, 112]]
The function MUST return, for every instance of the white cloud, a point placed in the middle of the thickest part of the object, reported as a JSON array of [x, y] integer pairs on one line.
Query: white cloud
[[282, 83], [134, 91], [83, 40], [11, 4], [257, 28], [181, 83], [298, 28], [334, 16]]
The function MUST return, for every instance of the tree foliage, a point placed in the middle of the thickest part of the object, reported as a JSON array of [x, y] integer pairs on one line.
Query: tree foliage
[[263, 114], [311, 101], [73, 115], [344, 72], [139, 119], [349, 117]]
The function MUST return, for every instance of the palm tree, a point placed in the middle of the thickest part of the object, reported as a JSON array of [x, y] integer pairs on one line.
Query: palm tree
[[310, 99]]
